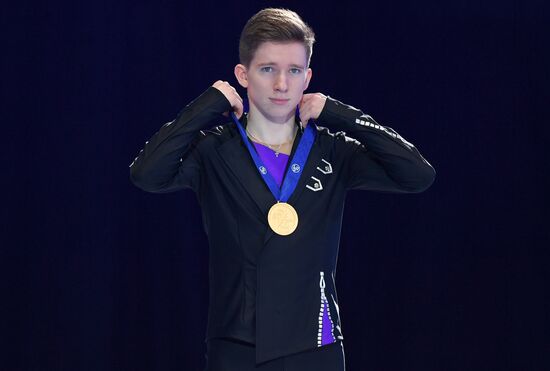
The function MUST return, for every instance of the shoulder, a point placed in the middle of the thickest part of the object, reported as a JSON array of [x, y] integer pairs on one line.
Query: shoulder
[[217, 135], [334, 138]]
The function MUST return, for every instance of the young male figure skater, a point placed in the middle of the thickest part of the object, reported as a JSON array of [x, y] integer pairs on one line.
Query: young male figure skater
[[271, 188]]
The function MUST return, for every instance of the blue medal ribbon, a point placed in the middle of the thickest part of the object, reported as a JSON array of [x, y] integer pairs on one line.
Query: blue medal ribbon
[[295, 169]]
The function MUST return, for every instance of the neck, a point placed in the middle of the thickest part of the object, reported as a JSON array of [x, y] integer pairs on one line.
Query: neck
[[270, 131]]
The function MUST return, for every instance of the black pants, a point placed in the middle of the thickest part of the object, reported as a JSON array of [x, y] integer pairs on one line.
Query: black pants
[[233, 355]]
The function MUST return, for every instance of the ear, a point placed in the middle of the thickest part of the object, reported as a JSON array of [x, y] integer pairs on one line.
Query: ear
[[309, 73], [241, 75]]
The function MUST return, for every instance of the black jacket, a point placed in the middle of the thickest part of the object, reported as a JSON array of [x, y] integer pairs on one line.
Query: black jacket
[[265, 288]]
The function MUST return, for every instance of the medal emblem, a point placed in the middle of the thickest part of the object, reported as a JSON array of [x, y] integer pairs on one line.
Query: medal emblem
[[282, 218]]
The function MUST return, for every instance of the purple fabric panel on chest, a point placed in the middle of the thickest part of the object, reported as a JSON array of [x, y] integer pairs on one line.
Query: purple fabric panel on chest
[[275, 164]]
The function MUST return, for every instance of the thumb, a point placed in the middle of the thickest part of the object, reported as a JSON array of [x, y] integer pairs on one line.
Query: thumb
[[304, 117]]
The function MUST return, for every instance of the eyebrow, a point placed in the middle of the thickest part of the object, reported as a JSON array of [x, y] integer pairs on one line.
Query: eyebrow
[[273, 63]]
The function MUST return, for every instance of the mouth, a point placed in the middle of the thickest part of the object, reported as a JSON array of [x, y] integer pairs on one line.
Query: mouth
[[279, 101]]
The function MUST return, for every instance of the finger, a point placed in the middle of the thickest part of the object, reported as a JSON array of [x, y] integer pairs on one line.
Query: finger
[[238, 107], [303, 102], [304, 115], [304, 120], [234, 92], [238, 97], [239, 110], [304, 109]]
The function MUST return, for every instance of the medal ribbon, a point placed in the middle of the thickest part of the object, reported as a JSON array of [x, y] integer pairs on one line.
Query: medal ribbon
[[295, 169]]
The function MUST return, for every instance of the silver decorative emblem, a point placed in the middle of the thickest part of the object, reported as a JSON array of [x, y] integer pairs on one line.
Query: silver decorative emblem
[[295, 168], [327, 168], [263, 170], [317, 186]]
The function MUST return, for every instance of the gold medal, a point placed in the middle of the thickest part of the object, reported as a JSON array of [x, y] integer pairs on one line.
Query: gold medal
[[282, 218]]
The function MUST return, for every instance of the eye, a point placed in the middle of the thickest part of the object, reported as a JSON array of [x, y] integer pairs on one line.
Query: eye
[[266, 69], [295, 71]]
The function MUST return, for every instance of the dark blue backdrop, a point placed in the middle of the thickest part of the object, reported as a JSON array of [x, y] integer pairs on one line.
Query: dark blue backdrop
[[98, 275]]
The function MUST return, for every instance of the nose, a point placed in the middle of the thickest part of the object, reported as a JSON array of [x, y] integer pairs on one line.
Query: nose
[[281, 83]]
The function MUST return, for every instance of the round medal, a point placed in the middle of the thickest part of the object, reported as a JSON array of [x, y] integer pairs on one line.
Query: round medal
[[282, 218]]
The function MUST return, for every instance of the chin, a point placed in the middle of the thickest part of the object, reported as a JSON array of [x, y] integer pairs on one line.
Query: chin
[[282, 114]]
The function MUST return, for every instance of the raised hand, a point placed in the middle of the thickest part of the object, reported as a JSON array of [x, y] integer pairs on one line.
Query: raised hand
[[232, 96], [311, 106]]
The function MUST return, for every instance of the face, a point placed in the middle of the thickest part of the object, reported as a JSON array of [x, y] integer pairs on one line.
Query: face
[[276, 79]]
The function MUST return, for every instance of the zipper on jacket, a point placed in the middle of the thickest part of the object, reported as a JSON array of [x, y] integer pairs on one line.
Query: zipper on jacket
[[325, 334]]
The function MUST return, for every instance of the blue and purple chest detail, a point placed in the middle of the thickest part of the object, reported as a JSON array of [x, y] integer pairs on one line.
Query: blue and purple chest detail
[[274, 162]]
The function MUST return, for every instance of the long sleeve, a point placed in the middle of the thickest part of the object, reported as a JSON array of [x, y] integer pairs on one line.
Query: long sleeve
[[378, 158], [169, 161]]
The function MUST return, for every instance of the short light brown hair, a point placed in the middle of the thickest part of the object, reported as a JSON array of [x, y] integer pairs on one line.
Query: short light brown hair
[[275, 25]]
